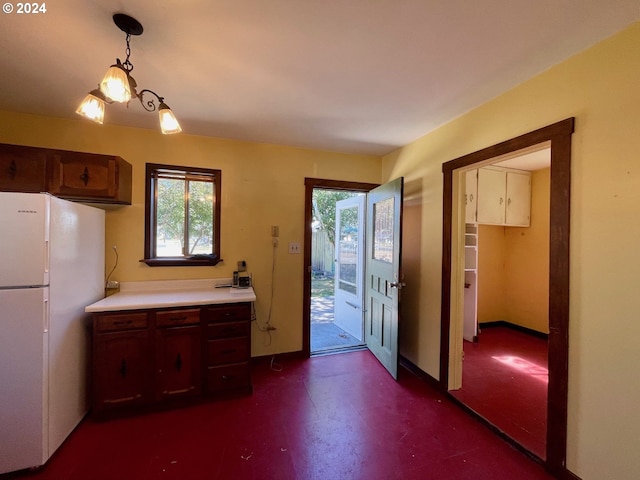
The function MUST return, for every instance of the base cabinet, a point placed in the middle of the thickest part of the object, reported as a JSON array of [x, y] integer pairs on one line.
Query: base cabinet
[[122, 368], [228, 347], [153, 356], [179, 365]]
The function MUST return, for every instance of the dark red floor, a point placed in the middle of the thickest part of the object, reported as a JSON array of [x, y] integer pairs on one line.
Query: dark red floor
[[327, 418], [504, 379]]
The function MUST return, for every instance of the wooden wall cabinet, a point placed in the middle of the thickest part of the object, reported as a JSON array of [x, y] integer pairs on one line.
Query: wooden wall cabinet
[[86, 177], [22, 169], [91, 177], [153, 356]]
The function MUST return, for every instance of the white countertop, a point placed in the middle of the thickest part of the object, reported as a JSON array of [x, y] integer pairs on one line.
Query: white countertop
[[171, 293]]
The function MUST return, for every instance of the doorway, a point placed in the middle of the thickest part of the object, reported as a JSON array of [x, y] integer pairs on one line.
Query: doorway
[[337, 271], [506, 292], [319, 279], [559, 137]]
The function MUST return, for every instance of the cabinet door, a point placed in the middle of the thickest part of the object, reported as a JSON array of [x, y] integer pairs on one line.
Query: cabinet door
[[471, 196], [22, 169], [122, 369], [179, 362], [518, 206], [492, 186], [83, 175]]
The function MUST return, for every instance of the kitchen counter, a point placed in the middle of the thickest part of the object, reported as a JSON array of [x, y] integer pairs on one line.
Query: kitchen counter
[[172, 293]]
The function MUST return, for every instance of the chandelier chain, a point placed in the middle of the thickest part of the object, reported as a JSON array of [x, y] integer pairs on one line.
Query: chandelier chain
[[128, 66]]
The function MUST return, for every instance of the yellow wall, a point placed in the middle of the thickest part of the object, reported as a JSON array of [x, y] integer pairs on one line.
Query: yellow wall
[[513, 266], [262, 185], [492, 304], [600, 87], [527, 261]]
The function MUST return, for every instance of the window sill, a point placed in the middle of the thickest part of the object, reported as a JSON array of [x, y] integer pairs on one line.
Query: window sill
[[193, 261]]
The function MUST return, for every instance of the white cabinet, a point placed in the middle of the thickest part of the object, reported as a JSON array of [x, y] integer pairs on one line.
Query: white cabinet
[[471, 195], [518, 208], [504, 197]]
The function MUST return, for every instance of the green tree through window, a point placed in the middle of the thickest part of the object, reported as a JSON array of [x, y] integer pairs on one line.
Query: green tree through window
[[182, 215]]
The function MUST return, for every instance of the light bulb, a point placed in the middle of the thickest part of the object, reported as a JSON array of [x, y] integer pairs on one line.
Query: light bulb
[[115, 84], [92, 107], [168, 121]]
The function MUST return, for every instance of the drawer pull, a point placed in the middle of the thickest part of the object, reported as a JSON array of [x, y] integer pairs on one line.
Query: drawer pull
[[122, 322], [178, 319], [85, 176], [178, 362], [229, 351], [123, 368], [13, 170]]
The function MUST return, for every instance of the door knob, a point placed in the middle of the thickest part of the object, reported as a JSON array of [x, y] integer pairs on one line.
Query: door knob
[[397, 285]]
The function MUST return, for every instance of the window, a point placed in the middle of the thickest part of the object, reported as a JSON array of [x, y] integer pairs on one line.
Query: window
[[182, 216]]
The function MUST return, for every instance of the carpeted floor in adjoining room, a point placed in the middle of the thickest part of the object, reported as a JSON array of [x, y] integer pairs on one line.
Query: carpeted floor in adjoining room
[[336, 417]]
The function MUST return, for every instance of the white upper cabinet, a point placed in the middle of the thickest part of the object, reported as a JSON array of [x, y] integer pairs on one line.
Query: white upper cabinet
[[518, 209], [504, 197], [471, 196]]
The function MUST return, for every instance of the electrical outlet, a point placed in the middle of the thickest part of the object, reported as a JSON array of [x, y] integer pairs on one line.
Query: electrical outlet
[[275, 231], [242, 266], [113, 285], [294, 247]]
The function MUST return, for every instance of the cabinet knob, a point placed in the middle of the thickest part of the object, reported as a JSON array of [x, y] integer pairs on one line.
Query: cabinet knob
[[13, 170], [85, 176]]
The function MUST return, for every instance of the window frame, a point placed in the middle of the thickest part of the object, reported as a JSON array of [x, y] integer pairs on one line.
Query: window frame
[[150, 233]]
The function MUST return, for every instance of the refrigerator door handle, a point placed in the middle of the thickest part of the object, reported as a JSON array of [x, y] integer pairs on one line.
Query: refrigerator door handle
[[46, 257], [45, 313]]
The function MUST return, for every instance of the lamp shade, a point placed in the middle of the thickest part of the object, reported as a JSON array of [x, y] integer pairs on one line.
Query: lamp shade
[[115, 84], [92, 107], [168, 121]]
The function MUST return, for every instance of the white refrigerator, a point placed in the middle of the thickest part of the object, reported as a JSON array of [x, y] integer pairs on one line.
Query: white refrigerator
[[51, 267]]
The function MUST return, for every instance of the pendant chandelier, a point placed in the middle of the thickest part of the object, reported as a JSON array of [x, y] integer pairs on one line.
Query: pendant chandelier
[[119, 86]]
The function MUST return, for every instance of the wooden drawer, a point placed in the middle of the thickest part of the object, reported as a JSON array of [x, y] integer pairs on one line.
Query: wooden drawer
[[177, 318], [228, 330], [232, 350], [227, 313], [120, 322], [228, 377]]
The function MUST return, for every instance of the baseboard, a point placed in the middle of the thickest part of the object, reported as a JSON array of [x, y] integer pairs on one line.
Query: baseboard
[[567, 475], [297, 355], [513, 326], [418, 372]]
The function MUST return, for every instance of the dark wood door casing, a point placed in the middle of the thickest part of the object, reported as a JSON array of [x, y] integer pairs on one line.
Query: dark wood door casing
[[311, 184], [559, 136]]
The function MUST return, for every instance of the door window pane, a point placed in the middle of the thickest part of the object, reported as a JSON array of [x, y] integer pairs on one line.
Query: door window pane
[[383, 230], [348, 249]]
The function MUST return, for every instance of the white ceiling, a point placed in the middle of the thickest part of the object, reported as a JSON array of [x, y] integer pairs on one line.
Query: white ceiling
[[361, 76]]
